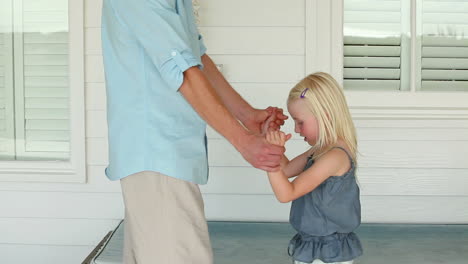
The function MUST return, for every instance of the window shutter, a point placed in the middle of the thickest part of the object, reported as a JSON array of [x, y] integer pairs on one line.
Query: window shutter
[[7, 142], [444, 56], [43, 128], [373, 45]]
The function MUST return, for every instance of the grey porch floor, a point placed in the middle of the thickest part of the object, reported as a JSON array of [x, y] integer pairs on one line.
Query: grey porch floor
[[265, 243]]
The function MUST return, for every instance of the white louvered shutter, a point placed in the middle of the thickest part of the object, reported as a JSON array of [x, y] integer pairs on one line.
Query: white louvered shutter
[[444, 56], [375, 53], [7, 142], [41, 71]]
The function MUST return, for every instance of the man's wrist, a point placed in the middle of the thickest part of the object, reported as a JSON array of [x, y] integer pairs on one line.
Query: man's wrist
[[246, 114]]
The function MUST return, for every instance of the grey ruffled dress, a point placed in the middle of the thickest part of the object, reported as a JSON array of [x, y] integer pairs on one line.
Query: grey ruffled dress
[[325, 220]]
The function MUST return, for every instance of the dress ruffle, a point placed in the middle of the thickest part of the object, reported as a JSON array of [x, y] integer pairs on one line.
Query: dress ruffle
[[336, 247]]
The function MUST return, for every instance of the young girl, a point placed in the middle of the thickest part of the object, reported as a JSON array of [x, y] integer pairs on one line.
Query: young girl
[[326, 208]]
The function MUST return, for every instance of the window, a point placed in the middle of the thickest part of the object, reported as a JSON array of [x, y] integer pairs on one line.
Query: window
[[41, 89], [444, 46], [406, 45]]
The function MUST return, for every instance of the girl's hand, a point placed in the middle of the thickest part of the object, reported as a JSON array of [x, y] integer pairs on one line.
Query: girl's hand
[[277, 137]]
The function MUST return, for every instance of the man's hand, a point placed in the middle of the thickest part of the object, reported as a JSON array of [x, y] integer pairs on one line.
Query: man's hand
[[260, 154], [278, 118], [210, 107], [272, 117]]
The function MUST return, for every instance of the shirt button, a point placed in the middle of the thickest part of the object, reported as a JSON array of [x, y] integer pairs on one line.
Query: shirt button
[[174, 53]]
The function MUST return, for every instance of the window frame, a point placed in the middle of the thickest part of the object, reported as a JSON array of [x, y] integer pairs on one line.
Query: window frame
[[325, 52], [74, 169]]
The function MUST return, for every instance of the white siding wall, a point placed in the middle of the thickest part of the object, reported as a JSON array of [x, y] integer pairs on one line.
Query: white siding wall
[[412, 171]]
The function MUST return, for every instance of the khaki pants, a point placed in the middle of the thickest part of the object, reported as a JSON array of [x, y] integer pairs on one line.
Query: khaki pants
[[164, 221]]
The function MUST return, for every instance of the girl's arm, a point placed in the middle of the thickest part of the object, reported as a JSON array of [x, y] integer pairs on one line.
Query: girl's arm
[[285, 191], [296, 165]]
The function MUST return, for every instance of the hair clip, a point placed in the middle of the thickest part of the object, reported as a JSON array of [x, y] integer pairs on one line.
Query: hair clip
[[304, 92]]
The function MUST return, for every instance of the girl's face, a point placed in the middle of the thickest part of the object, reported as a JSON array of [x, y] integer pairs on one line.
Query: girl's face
[[305, 124]]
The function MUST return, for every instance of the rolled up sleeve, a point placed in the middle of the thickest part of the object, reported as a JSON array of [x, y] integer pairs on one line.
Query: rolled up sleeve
[[202, 45], [160, 31]]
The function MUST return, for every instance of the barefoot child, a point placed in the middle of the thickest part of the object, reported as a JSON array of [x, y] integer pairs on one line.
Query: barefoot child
[[325, 206]]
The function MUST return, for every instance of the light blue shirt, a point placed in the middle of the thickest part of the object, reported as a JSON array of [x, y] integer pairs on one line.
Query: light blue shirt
[[147, 45]]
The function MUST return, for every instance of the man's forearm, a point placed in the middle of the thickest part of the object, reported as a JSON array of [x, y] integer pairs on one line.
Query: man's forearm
[[233, 101], [199, 92]]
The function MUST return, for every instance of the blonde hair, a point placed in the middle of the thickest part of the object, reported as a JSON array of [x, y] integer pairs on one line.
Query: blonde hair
[[325, 99]]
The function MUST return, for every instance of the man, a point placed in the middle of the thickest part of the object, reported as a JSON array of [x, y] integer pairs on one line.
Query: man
[[159, 83]]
